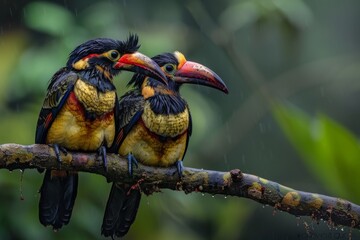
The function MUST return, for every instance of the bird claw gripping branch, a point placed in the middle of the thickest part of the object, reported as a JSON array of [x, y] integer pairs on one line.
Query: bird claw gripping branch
[[131, 161]]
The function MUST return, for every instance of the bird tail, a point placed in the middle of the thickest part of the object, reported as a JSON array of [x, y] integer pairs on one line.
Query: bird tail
[[57, 197], [121, 209]]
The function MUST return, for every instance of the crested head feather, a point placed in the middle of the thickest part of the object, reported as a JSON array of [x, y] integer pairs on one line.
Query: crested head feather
[[132, 43], [101, 45], [165, 58]]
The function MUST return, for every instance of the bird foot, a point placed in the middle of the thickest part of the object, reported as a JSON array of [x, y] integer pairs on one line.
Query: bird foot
[[102, 154], [57, 150], [179, 167], [131, 161]]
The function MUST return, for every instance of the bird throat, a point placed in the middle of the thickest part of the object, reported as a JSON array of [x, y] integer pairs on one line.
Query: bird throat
[[165, 124], [94, 101]]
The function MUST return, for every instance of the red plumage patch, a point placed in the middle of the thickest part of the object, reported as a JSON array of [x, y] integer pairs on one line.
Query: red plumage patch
[[58, 173], [90, 56], [48, 120], [119, 137], [75, 104]]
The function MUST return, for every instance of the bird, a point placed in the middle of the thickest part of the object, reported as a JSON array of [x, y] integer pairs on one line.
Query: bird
[[80, 113], [155, 127]]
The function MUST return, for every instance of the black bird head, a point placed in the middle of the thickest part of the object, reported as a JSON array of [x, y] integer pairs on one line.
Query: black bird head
[[111, 56], [179, 71]]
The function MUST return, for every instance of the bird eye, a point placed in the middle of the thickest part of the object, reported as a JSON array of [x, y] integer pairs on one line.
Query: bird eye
[[170, 68], [113, 55]]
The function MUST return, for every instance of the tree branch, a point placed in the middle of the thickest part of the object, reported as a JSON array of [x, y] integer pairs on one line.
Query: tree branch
[[335, 211]]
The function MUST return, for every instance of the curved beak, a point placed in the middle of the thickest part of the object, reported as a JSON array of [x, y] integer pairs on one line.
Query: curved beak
[[139, 63], [195, 73]]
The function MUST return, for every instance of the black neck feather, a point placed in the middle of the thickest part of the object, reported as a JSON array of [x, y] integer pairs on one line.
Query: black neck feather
[[167, 104], [97, 79]]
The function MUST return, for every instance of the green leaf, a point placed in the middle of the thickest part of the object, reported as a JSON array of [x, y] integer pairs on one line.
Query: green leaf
[[238, 15], [329, 149], [295, 11], [49, 18]]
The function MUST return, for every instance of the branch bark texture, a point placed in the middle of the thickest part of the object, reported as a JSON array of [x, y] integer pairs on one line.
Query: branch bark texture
[[335, 211]]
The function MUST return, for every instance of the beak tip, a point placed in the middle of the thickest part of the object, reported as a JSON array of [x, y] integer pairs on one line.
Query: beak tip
[[220, 84], [164, 79], [223, 88]]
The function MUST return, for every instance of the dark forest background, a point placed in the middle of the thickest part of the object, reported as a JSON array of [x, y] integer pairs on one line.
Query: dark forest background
[[292, 69]]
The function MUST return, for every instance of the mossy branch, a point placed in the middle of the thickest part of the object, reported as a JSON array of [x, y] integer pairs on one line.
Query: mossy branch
[[335, 211]]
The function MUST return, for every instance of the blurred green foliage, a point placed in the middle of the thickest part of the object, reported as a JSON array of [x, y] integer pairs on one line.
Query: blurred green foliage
[[306, 52], [330, 150]]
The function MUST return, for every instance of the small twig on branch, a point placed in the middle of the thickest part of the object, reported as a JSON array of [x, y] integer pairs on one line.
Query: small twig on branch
[[335, 211]]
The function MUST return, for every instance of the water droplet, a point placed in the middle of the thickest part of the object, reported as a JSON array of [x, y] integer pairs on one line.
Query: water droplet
[[262, 128], [322, 92], [342, 229], [225, 197], [212, 196], [228, 138], [274, 211], [21, 184], [225, 158], [202, 194]]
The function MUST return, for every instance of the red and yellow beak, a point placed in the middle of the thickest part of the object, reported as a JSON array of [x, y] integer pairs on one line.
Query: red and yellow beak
[[139, 63], [196, 73]]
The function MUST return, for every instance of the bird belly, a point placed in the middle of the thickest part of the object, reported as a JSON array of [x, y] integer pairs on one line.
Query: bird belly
[[150, 149], [73, 130]]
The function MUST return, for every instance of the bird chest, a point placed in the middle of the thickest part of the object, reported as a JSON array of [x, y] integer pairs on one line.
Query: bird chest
[[166, 125], [93, 100]]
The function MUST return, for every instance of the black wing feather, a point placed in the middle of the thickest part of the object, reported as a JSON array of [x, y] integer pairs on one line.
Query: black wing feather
[[130, 103], [60, 86], [189, 132], [131, 106], [57, 194]]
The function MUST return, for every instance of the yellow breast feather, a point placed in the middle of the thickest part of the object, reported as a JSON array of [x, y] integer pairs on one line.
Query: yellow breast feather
[[170, 125], [93, 100]]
